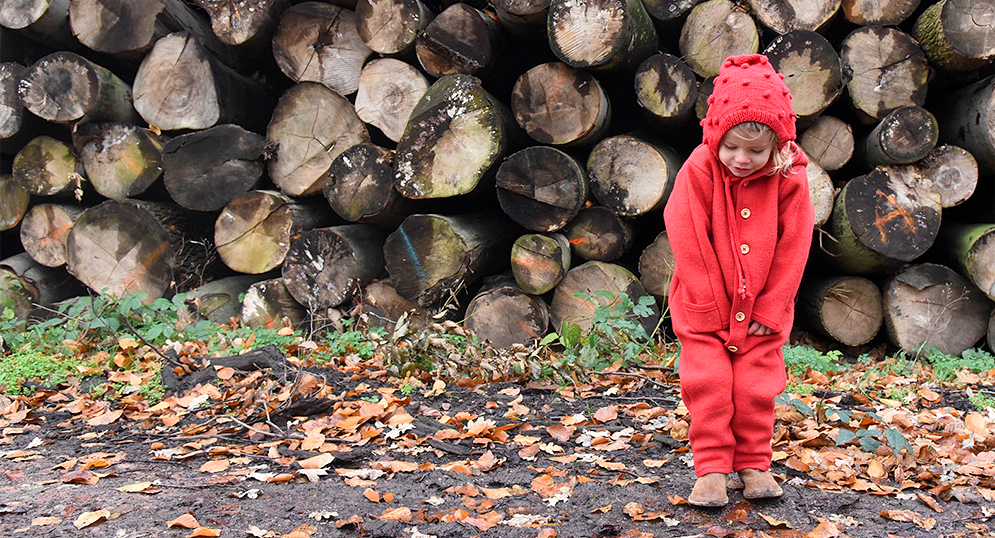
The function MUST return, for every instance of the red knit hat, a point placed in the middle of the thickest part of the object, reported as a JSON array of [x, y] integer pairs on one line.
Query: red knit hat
[[748, 89]]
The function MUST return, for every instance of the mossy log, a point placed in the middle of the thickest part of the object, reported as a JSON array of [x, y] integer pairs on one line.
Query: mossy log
[[121, 160], [597, 233], [14, 202], [540, 261], [656, 266], [46, 167], [957, 35], [65, 87], [971, 248], [580, 293]]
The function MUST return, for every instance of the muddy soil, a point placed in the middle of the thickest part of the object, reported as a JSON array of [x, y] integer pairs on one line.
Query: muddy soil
[[41, 498]]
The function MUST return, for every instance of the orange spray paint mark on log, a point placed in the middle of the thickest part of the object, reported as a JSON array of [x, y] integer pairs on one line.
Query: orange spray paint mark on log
[[577, 240], [881, 220]]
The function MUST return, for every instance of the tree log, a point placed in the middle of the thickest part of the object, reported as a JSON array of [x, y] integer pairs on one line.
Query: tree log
[[991, 331], [325, 267], [524, 19], [128, 246], [667, 90], [541, 188], [361, 188], [930, 305], [811, 67], [388, 91], [560, 105], [784, 16], [244, 22], [457, 133], [587, 280], [601, 35], [957, 35], [967, 119], [319, 42], [656, 267], [46, 167], [669, 10], [14, 201], [713, 31], [599, 234], [310, 127], [181, 85], [65, 87], [219, 300], [971, 248], [430, 257], [121, 160], [632, 175], [36, 284], [953, 171], [880, 13], [254, 231], [844, 308], [504, 315], [904, 136], [17, 128], [461, 40], [45, 21], [269, 305], [829, 141], [888, 68], [884, 218], [821, 192], [391, 26], [205, 170], [383, 306], [539, 262], [45, 232]]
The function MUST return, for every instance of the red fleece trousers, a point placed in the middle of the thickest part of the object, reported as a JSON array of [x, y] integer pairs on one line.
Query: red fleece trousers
[[731, 399]]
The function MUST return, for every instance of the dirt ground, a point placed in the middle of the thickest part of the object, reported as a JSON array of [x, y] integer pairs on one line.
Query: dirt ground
[[62, 476]]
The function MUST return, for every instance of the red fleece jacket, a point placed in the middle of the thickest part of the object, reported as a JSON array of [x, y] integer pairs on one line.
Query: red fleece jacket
[[770, 224]]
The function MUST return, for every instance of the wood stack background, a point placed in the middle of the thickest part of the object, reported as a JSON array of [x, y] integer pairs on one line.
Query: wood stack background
[[310, 157]]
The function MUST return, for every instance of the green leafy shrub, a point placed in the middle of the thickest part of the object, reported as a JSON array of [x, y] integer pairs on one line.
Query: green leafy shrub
[[945, 367], [798, 358]]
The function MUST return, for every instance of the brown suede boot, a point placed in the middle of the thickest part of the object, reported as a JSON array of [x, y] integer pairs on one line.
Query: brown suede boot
[[709, 490], [759, 484]]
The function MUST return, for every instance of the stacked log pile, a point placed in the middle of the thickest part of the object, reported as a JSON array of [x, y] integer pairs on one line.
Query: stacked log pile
[[515, 156]]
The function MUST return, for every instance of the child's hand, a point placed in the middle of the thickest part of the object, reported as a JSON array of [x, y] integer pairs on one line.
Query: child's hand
[[759, 329]]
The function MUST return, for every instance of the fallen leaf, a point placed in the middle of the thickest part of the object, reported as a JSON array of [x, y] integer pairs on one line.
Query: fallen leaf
[[655, 463], [929, 501], [215, 466], [87, 519], [397, 514], [607, 413], [45, 521], [204, 532], [776, 523], [602, 510], [186, 521], [909, 516], [105, 419], [371, 495], [317, 462], [139, 487], [304, 531], [976, 423], [80, 477], [561, 433]]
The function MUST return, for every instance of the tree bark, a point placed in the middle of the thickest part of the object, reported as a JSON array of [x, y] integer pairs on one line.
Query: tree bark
[[821, 192], [254, 231], [45, 21], [656, 267], [904, 136], [784, 16], [269, 305], [888, 68], [391, 26], [319, 42], [953, 171], [361, 188], [587, 280], [560, 105], [46, 167], [457, 133], [205, 170], [844, 308], [971, 247], [884, 218], [325, 267], [812, 70], [603, 35], [430, 257], [121, 160], [181, 85], [880, 13], [219, 300], [967, 119], [631, 175], [14, 201], [539, 262], [11, 109], [310, 127], [991, 331], [243, 22], [45, 232], [930, 305], [388, 91], [957, 35], [713, 31], [504, 315], [599, 234], [829, 141], [667, 90], [461, 40], [541, 188], [65, 87]]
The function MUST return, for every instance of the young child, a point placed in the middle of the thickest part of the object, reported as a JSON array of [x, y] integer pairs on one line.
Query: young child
[[740, 224]]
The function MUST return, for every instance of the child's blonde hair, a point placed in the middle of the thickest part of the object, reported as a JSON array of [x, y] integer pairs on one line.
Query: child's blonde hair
[[781, 158]]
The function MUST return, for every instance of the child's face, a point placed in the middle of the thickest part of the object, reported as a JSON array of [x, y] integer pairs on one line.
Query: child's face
[[744, 155]]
